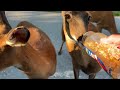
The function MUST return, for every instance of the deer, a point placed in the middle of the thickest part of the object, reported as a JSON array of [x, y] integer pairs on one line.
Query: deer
[[74, 25], [27, 48]]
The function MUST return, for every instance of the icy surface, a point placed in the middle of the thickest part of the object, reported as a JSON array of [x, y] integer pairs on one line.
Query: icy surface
[[50, 23]]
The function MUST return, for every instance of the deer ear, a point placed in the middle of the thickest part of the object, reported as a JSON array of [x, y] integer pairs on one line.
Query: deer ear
[[18, 37]]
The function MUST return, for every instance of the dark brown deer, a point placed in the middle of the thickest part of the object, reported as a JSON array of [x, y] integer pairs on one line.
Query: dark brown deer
[[75, 24], [104, 20], [29, 49]]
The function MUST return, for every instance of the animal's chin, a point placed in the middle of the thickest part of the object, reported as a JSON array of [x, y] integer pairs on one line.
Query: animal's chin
[[15, 44]]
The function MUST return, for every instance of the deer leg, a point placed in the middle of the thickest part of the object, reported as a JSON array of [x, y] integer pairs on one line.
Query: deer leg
[[60, 51], [76, 73], [75, 70], [92, 76], [63, 40]]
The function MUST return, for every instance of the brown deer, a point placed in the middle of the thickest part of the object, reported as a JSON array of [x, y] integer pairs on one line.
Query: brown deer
[[91, 27], [75, 24], [29, 49], [104, 20]]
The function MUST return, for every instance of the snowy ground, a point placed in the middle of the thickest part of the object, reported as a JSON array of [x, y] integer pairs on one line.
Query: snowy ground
[[50, 23]]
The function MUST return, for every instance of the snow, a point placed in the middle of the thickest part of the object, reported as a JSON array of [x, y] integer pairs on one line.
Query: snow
[[50, 23]]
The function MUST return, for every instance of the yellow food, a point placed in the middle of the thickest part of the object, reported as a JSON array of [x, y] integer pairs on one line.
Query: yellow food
[[108, 53]]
